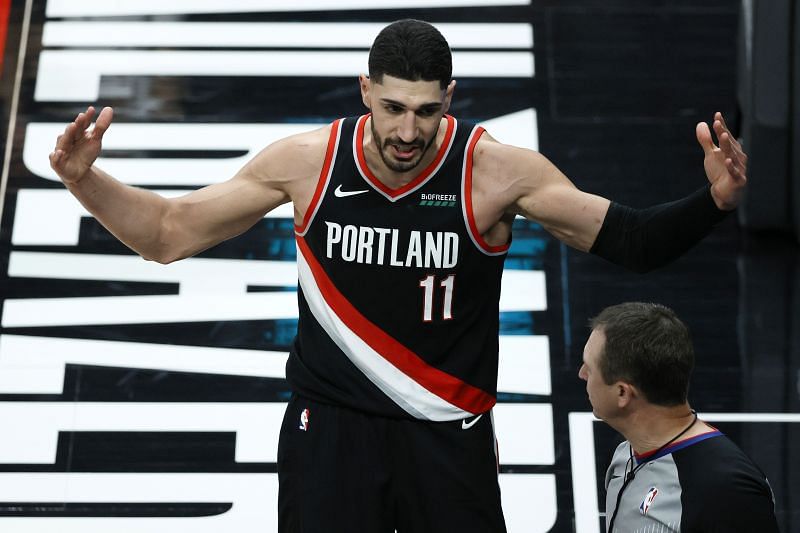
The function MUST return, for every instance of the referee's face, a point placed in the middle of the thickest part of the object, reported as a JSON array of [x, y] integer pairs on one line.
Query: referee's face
[[602, 396]]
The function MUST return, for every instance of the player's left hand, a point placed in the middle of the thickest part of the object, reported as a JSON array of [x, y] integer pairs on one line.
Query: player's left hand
[[725, 165]]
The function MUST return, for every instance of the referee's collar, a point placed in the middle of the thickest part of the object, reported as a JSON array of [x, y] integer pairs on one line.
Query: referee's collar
[[675, 446]]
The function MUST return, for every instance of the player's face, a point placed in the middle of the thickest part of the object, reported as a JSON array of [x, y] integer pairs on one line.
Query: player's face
[[405, 118], [602, 396]]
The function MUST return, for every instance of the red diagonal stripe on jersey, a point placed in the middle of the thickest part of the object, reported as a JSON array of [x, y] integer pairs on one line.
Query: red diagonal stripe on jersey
[[447, 387]]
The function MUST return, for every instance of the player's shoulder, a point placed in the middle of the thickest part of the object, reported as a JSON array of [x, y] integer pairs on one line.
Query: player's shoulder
[[306, 143], [497, 166], [502, 158], [296, 156]]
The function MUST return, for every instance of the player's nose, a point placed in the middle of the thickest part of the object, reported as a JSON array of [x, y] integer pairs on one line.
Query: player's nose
[[408, 132]]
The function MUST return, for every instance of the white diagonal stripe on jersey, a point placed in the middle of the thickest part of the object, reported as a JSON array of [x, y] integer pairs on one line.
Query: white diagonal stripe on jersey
[[402, 389]]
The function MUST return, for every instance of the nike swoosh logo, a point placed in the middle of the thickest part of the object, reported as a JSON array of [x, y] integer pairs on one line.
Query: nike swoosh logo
[[339, 193], [467, 425]]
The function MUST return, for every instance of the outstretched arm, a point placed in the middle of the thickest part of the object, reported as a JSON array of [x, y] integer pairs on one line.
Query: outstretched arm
[[164, 229], [644, 239], [639, 239]]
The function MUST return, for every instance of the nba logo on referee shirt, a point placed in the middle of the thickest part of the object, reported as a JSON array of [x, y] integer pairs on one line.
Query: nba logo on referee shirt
[[304, 420], [648, 500]]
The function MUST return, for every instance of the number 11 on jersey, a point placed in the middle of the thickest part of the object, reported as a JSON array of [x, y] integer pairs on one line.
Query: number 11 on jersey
[[427, 285]]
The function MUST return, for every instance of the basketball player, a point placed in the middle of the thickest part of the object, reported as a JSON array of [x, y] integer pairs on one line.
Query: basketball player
[[402, 221], [674, 472]]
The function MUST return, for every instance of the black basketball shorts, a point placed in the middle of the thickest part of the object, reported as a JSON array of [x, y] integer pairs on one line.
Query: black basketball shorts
[[345, 471]]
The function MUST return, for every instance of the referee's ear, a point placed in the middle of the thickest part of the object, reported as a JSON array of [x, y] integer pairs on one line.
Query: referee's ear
[[626, 394]]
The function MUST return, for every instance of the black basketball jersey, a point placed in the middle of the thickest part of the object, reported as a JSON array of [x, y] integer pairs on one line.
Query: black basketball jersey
[[398, 292]]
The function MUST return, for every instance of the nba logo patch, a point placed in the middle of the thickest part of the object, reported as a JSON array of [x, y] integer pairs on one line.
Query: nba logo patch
[[648, 500], [304, 419]]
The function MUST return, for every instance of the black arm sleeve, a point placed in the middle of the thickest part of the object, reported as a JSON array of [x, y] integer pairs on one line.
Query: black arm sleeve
[[644, 239]]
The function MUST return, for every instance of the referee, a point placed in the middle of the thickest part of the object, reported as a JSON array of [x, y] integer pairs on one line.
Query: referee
[[674, 473]]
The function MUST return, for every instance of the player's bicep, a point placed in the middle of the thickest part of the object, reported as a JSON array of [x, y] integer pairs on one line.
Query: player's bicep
[[238, 202], [571, 215], [208, 216]]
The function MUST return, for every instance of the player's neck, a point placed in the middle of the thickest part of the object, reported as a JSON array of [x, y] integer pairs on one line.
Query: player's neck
[[651, 428]]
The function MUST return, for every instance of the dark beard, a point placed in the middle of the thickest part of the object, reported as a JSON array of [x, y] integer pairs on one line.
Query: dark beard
[[401, 166]]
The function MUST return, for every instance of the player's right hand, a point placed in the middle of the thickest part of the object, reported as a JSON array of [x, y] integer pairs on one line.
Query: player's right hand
[[78, 147]]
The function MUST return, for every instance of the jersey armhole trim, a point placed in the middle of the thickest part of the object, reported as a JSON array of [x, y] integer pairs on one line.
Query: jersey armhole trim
[[466, 195], [324, 178]]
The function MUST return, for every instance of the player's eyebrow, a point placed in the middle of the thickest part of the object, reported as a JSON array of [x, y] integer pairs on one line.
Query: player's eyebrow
[[428, 106]]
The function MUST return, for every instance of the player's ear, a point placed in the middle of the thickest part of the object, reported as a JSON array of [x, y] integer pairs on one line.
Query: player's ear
[[448, 95], [364, 84]]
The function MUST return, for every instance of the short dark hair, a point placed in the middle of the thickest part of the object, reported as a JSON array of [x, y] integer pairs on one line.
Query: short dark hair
[[648, 346], [411, 50]]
